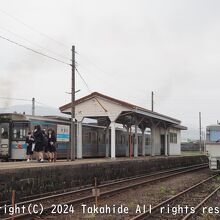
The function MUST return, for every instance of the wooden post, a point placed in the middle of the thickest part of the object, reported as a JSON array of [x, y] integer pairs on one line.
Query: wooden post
[[130, 144], [96, 192], [13, 203], [96, 197]]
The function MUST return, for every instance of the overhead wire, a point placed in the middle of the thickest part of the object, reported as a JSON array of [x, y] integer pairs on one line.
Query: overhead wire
[[45, 55], [18, 99], [93, 63], [86, 84], [35, 51], [18, 35], [33, 28], [28, 100], [50, 57]]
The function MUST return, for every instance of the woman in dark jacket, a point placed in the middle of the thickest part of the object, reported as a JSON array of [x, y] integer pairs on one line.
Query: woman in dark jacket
[[29, 142], [51, 143], [39, 142]]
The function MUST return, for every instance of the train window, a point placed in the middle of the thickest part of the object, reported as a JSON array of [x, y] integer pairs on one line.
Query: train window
[[4, 130], [104, 137], [87, 138], [214, 135], [101, 138], [116, 138], [173, 138], [94, 138], [19, 131], [140, 140], [90, 137], [121, 140], [147, 141]]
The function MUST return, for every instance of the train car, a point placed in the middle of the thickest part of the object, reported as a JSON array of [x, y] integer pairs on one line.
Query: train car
[[14, 129], [213, 146]]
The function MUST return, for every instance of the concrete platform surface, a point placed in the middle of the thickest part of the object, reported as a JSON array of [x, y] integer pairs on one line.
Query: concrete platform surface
[[34, 163]]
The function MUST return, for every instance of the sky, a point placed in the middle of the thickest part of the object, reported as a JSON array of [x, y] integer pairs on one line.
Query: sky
[[125, 49]]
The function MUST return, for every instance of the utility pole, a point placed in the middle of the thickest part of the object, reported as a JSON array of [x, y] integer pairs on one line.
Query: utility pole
[[73, 147], [33, 106], [200, 132], [152, 101]]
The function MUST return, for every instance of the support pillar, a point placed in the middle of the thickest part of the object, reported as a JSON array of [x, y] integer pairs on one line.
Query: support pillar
[[128, 142], [79, 139], [166, 144], [143, 142], [112, 139], [136, 142], [153, 139], [107, 142]]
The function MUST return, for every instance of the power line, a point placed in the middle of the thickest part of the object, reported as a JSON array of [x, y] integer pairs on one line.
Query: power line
[[90, 90], [18, 35], [94, 64], [35, 51], [28, 100], [32, 28], [15, 99], [50, 57], [44, 104], [83, 80]]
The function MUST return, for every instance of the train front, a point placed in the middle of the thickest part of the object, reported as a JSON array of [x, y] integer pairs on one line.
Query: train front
[[4, 137], [213, 146]]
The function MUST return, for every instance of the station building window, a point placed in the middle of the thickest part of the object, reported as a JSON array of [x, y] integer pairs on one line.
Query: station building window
[[173, 138]]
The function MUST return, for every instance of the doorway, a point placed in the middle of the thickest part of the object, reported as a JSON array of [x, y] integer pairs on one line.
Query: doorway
[[162, 144]]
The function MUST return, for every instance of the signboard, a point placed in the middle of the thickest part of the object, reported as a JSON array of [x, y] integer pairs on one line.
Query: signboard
[[63, 133]]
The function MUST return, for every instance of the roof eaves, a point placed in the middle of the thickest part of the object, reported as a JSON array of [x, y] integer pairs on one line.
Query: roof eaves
[[156, 115]]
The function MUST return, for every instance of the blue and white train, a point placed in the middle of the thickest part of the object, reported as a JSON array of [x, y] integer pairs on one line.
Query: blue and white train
[[14, 128], [213, 146]]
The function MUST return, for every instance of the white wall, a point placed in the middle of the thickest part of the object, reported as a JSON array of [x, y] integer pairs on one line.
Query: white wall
[[175, 148]]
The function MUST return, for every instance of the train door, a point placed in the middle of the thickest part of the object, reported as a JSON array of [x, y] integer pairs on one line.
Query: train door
[[18, 145], [4, 140], [162, 144]]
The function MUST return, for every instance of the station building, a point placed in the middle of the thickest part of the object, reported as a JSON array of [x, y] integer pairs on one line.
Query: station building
[[165, 131]]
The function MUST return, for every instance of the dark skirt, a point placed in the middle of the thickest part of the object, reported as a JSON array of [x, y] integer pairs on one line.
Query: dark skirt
[[47, 149], [39, 147], [53, 148]]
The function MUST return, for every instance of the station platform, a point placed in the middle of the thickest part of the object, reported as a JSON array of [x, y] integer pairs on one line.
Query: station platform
[[33, 178], [34, 163]]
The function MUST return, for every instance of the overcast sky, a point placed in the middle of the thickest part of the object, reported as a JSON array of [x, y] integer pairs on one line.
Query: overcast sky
[[126, 49]]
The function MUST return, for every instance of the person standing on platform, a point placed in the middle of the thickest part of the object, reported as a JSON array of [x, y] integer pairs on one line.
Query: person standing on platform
[[30, 143], [45, 145], [52, 144], [39, 143]]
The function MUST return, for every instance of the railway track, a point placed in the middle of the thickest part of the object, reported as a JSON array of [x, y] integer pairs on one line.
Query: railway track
[[107, 189], [188, 202]]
